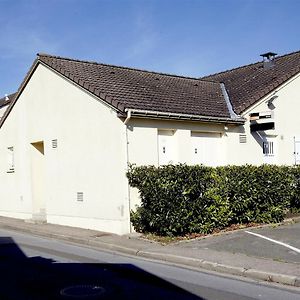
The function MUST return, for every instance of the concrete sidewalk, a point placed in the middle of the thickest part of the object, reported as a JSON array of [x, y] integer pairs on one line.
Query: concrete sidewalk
[[208, 259]]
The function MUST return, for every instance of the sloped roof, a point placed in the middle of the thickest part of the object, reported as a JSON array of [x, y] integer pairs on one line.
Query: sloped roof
[[248, 84], [127, 88], [4, 102]]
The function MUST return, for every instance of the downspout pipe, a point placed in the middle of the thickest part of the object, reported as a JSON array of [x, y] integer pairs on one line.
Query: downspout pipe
[[126, 121], [128, 117]]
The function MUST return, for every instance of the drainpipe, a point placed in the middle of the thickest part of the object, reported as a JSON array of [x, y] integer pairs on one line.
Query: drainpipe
[[128, 117], [126, 121]]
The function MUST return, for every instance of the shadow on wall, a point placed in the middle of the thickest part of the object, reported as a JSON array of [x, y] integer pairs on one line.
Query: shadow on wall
[[39, 278], [258, 138]]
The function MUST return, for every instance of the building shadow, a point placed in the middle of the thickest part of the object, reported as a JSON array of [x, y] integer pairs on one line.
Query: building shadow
[[38, 278]]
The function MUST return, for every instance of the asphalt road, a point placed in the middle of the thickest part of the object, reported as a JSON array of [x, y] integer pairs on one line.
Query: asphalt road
[[280, 243], [37, 268]]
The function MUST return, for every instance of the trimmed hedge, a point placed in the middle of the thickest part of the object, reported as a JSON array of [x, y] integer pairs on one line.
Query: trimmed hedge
[[181, 199]]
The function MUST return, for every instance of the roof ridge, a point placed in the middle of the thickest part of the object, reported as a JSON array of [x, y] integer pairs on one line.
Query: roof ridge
[[120, 67], [287, 54], [229, 70], [248, 65]]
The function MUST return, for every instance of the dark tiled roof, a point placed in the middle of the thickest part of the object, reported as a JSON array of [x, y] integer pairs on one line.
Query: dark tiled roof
[[126, 88], [248, 84], [4, 102]]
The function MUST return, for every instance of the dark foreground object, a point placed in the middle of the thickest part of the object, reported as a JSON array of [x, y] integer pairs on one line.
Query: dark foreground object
[[39, 278]]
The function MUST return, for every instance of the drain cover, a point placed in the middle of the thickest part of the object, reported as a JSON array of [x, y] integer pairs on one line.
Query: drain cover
[[84, 291]]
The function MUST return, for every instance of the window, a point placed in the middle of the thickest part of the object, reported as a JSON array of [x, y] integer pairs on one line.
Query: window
[[268, 148], [10, 160]]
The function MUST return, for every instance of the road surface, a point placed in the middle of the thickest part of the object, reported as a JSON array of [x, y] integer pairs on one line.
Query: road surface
[[39, 268]]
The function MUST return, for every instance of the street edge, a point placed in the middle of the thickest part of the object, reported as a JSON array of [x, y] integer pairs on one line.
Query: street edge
[[169, 258]]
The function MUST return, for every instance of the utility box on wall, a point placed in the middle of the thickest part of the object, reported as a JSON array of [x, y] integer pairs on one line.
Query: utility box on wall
[[262, 121]]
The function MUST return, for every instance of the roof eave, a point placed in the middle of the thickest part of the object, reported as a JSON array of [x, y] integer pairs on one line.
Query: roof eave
[[138, 113], [20, 89], [243, 109]]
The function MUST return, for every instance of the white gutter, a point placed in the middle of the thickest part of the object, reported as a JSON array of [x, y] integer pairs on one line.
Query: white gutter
[[160, 114]]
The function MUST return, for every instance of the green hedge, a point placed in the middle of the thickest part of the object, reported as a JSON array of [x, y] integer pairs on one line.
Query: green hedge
[[181, 199]]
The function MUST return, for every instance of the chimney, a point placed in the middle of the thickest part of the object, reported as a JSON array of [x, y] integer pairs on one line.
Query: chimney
[[6, 97], [268, 60]]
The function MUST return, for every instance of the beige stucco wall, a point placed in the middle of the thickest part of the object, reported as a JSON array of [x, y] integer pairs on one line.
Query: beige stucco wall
[[143, 134], [143, 142], [90, 157], [286, 108], [2, 110], [143, 138]]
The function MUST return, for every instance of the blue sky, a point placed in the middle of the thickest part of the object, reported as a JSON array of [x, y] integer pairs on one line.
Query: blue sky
[[185, 37]]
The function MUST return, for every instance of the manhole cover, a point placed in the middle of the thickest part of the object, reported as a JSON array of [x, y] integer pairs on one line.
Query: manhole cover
[[84, 291]]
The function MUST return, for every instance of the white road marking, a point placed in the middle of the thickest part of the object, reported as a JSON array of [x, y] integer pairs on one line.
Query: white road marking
[[274, 241]]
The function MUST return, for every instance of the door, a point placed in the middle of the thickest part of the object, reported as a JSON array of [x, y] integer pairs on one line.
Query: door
[[167, 150], [206, 148], [38, 182]]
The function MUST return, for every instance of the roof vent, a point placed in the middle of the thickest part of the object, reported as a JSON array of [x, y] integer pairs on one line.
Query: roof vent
[[6, 97], [268, 60], [243, 138], [54, 143], [80, 196]]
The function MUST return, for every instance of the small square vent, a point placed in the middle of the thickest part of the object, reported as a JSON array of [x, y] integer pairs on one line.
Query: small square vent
[[80, 196], [54, 143], [243, 139]]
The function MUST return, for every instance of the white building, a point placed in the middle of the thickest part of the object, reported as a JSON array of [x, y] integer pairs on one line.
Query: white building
[[73, 126]]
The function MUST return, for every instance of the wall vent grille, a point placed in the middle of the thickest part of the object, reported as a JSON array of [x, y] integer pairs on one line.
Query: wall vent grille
[[54, 143], [80, 196], [243, 139]]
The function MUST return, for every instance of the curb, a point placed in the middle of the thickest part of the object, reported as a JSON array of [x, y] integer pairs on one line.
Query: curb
[[168, 258], [217, 267]]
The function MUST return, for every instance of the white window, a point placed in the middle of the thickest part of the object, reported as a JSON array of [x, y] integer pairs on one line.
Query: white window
[[10, 159], [268, 148]]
